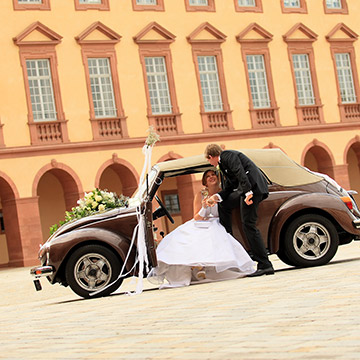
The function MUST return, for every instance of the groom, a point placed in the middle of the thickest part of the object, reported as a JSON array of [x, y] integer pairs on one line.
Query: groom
[[242, 174]]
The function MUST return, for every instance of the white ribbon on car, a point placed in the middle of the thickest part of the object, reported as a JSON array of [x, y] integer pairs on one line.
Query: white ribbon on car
[[139, 230], [142, 257]]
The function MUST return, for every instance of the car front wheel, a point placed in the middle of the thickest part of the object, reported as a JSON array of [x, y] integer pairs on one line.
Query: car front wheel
[[310, 240], [92, 268]]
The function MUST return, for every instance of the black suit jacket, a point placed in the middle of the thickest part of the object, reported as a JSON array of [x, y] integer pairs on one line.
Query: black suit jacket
[[241, 173]]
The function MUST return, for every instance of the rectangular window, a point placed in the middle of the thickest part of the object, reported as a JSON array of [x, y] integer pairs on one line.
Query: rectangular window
[[292, 3], [146, 2], [199, 2], [158, 85], [209, 81], [172, 203], [258, 83], [102, 87], [333, 4], [303, 80], [345, 78], [246, 2], [90, 1], [31, 4], [41, 90]]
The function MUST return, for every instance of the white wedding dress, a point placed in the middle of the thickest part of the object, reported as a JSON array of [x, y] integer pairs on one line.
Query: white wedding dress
[[202, 243]]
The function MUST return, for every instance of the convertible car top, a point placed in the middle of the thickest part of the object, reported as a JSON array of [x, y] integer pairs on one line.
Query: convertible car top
[[275, 164]]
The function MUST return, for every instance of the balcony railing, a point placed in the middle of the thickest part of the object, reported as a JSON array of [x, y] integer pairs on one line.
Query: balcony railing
[[218, 121], [49, 132], [309, 114], [265, 117], [350, 112], [166, 124], [109, 129]]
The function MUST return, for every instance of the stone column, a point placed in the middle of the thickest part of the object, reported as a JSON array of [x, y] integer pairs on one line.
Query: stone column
[[186, 191], [13, 238], [29, 229], [341, 176]]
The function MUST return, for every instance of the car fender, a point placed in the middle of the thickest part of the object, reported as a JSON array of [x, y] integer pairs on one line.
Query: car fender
[[329, 205], [61, 247]]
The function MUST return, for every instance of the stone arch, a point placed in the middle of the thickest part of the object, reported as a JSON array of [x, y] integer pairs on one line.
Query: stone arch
[[318, 157], [169, 156], [10, 238], [353, 144], [271, 145], [68, 179], [117, 175], [57, 188], [352, 161], [8, 189]]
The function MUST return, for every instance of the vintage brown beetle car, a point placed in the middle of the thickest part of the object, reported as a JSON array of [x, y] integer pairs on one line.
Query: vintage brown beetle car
[[304, 220]]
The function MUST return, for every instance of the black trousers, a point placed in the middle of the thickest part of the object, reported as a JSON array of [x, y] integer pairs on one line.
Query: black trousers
[[249, 216]]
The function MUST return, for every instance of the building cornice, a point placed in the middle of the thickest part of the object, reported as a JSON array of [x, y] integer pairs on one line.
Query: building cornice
[[123, 144]]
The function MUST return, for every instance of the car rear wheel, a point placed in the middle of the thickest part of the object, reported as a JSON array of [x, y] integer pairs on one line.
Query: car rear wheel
[[310, 240], [91, 268]]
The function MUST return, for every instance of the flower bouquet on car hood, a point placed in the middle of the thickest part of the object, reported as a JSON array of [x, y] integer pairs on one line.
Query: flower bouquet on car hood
[[95, 201]]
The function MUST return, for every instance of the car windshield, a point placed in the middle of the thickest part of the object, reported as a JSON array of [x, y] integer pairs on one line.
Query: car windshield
[[141, 191]]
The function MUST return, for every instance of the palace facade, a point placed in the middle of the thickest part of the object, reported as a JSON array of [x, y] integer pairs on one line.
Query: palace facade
[[82, 81]]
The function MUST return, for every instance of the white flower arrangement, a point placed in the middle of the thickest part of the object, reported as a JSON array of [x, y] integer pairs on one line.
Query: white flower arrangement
[[153, 137], [93, 201]]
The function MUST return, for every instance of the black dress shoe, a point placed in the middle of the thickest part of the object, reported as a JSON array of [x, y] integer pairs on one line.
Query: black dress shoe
[[260, 272]]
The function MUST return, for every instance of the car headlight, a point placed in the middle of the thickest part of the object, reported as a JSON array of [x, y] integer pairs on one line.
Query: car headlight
[[44, 251]]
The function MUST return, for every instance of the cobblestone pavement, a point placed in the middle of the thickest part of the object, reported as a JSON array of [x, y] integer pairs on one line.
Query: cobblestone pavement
[[302, 314]]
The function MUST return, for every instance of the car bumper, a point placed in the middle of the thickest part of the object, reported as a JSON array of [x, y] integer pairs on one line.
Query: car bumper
[[356, 223], [40, 271]]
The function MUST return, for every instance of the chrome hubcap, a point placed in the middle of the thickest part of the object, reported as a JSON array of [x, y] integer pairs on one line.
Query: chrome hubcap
[[311, 240], [92, 272]]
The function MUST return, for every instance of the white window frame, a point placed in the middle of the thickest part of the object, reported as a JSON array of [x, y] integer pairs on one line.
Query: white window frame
[[345, 78], [209, 82], [146, 2], [258, 81], [158, 85], [172, 202], [303, 80], [246, 3], [41, 90], [333, 4], [89, 1], [292, 4], [103, 99], [30, 1], [199, 2]]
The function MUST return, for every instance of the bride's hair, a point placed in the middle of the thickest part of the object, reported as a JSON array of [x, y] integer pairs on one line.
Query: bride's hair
[[203, 180]]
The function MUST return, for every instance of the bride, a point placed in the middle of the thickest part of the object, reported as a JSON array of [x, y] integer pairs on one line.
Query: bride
[[200, 249]]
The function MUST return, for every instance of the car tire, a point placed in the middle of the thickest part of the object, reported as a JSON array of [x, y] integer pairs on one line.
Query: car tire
[[310, 240], [283, 257], [91, 268]]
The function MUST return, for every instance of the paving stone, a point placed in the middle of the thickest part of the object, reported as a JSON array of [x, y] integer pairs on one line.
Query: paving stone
[[305, 314]]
